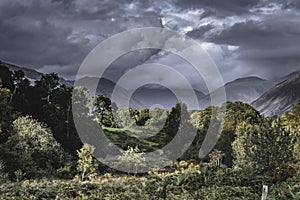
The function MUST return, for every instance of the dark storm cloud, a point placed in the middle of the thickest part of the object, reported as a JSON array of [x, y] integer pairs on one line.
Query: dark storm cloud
[[271, 45], [292, 4], [247, 37], [30, 46], [95, 9], [236, 6], [60, 33], [29, 36], [199, 33]]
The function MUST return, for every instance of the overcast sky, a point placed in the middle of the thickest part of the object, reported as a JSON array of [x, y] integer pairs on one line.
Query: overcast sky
[[244, 37]]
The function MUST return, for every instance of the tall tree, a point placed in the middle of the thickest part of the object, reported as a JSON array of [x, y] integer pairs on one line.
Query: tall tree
[[263, 147], [235, 114], [144, 116], [61, 117], [6, 78], [6, 113], [21, 94], [102, 108], [291, 121], [32, 149], [51, 103], [172, 122], [127, 117]]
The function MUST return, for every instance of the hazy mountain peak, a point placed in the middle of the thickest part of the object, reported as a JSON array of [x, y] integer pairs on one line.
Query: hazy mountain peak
[[249, 78]]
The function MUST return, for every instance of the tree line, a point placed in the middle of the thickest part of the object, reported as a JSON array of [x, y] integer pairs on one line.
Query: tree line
[[38, 137]]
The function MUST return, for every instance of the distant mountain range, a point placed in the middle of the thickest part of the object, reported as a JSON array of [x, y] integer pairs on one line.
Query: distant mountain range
[[164, 97], [270, 97], [146, 96]]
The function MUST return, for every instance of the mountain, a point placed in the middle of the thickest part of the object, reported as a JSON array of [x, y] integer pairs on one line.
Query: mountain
[[105, 87], [144, 97], [30, 74], [246, 89], [243, 89], [280, 98], [164, 97]]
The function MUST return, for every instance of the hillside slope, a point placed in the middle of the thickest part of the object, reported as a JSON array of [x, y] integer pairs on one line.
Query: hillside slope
[[243, 89], [280, 98]]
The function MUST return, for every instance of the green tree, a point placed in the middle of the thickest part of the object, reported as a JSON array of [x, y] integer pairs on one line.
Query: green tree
[[80, 102], [202, 119], [127, 117], [60, 119], [173, 121], [51, 103], [41, 97], [86, 166], [32, 149], [144, 116], [6, 77], [102, 108], [291, 122], [262, 147], [235, 114], [184, 130], [47, 85], [20, 96], [158, 117], [6, 113]]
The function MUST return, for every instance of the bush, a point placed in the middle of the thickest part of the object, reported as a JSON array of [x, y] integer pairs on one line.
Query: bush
[[86, 166], [131, 160], [33, 150]]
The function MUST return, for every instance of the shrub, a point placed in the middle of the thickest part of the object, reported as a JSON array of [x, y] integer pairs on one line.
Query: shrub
[[32, 149], [86, 166], [131, 160]]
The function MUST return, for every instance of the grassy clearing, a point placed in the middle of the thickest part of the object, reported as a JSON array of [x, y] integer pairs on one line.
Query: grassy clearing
[[124, 137], [121, 130]]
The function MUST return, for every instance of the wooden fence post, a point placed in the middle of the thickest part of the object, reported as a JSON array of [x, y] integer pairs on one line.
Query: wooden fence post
[[264, 192]]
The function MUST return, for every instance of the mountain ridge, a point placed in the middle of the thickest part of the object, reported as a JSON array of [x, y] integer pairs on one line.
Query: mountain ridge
[[279, 98]]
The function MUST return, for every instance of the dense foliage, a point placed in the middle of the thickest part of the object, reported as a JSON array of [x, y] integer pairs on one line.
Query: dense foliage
[[265, 147], [43, 157], [32, 149], [182, 181]]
